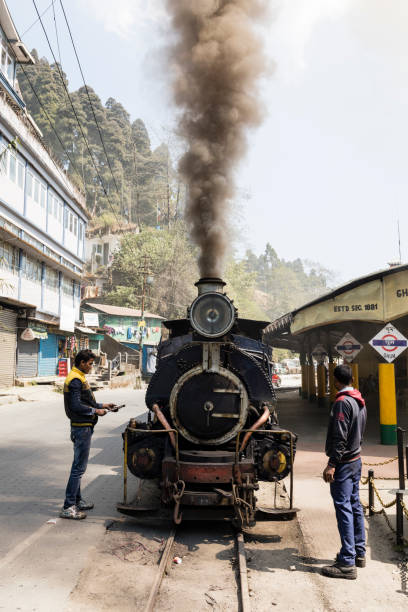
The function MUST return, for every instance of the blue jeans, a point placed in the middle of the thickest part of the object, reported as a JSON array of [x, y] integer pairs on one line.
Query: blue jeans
[[349, 512], [81, 437]]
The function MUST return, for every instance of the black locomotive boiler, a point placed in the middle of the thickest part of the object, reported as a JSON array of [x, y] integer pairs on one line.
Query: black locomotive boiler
[[212, 432]]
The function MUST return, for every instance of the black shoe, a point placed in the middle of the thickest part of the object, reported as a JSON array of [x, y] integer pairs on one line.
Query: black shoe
[[84, 505], [360, 561], [337, 570]]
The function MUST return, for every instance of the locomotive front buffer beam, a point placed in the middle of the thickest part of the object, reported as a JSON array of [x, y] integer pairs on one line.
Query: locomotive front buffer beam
[[227, 489]]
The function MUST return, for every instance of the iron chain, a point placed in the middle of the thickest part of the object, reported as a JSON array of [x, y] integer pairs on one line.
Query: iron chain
[[390, 504], [381, 462]]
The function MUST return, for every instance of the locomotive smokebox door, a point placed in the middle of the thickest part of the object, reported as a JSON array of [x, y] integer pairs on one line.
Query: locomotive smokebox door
[[209, 404]]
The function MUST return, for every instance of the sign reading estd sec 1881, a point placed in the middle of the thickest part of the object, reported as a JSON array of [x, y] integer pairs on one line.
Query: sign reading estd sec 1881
[[389, 342]]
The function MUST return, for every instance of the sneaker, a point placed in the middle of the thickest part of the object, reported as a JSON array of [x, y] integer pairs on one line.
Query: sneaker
[[84, 505], [360, 561], [337, 570], [72, 513]]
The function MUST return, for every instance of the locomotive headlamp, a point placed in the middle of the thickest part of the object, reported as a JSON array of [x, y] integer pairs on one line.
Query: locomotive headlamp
[[212, 314]]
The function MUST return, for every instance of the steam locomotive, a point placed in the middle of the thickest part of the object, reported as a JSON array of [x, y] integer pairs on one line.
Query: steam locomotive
[[212, 432]]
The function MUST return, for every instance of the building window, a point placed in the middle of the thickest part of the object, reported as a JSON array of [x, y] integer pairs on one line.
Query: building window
[[43, 196], [67, 286], [20, 174], [75, 226], [29, 184], [7, 62], [12, 167], [56, 206], [3, 159], [71, 222], [8, 256], [60, 212], [10, 69], [3, 56], [65, 218], [36, 191], [51, 278], [31, 269]]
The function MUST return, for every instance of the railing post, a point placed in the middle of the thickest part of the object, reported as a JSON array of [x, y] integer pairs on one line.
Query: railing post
[[406, 459], [400, 442], [400, 521], [370, 493], [110, 369]]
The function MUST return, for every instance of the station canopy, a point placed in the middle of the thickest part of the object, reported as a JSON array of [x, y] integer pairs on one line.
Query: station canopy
[[359, 306]]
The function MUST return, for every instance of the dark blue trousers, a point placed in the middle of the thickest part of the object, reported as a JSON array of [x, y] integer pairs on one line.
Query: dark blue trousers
[[81, 438], [349, 512]]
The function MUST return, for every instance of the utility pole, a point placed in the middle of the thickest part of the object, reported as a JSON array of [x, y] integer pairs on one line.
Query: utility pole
[[168, 191], [146, 278], [399, 243]]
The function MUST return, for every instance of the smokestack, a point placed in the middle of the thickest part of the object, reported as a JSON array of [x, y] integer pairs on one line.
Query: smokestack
[[217, 60], [207, 285]]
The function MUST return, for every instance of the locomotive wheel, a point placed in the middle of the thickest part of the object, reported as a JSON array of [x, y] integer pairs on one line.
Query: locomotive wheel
[[145, 456]]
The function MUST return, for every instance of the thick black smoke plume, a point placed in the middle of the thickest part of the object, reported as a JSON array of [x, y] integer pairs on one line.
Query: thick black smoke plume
[[217, 59]]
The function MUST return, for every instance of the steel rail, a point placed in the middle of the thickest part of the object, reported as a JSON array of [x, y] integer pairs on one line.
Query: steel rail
[[150, 606], [243, 573]]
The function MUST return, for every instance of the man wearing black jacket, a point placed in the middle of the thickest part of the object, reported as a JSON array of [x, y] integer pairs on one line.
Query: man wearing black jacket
[[347, 423], [82, 410]]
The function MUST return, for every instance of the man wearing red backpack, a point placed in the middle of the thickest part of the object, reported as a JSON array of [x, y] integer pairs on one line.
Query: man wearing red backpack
[[348, 417]]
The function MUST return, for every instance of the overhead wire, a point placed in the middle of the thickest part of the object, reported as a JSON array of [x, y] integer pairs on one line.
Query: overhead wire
[[90, 103], [56, 33], [36, 21], [76, 116], [45, 111], [89, 97]]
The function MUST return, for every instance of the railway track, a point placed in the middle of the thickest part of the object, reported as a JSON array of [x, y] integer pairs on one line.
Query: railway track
[[166, 558]]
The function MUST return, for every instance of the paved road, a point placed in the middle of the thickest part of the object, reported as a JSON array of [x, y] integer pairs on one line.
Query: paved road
[[40, 562]]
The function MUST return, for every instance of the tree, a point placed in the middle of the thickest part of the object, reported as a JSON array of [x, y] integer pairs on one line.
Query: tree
[[171, 261], [138, 182]]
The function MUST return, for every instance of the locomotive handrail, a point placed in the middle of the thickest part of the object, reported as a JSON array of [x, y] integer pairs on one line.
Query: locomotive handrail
[[125, 449], [281, 431]]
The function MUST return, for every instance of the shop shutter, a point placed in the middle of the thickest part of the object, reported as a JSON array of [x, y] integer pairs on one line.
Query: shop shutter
[[8, 334], [27, 358], [48, 356]]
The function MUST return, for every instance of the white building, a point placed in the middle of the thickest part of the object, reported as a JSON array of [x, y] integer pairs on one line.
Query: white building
[[100, 247], [43, 221]]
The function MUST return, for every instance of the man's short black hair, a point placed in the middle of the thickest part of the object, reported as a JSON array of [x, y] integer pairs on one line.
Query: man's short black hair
[[343, 373], [85, 355]]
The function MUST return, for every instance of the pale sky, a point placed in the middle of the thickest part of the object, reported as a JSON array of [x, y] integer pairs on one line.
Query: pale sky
[[325, 177]]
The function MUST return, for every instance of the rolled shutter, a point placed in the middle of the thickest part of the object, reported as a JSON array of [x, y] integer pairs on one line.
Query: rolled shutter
[[8, 331], [27, 358]]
